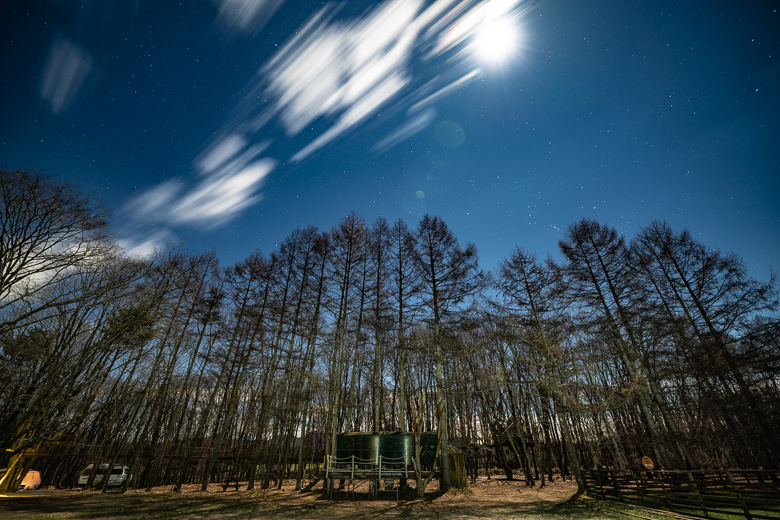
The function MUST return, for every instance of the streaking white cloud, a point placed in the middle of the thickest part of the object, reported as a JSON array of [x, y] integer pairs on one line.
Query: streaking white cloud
[[428, 100], [245, 16], [155, 202], [220, 197], [364, 108], [145, 244], [231, 174], [340, 72], [67, 67], [351, 68], [405, 131], [220, 152], [217, 198]]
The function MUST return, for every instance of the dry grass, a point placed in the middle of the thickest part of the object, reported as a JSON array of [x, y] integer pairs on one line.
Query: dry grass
[[485, 499]]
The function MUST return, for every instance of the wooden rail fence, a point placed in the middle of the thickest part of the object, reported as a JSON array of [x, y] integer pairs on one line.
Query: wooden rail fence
[[716, 494]]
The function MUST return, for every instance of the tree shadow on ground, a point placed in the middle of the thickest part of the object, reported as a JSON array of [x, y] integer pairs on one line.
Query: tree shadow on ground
[[582, 507], [299, 506]]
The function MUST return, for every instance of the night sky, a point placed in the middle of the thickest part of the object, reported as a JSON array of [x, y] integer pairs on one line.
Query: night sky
[[227, 124]]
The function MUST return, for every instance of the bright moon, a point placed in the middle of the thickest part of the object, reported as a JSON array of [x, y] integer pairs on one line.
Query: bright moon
[[495, 39]]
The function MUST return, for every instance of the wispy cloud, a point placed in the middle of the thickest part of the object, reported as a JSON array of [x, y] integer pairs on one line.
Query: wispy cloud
[[336, 70], [354, 115], [405, 131], [145, 242], [421, 112], [154, 204], [67, 67], [347, 70], [343, 69], [443, 91], [223, 195], [231, 174], [245, 16]]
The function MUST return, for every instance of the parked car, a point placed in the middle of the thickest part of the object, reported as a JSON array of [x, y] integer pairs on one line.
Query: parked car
[[117, 476], [31, 480]]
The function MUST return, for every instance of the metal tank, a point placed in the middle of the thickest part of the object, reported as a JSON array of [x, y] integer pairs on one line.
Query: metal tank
[[369, 446]]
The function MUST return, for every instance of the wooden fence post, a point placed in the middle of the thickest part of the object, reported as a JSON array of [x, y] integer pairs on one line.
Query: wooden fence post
[[740, 497], [600, 479], [695, 483], [663, 480], [615, 484], [640, 484]]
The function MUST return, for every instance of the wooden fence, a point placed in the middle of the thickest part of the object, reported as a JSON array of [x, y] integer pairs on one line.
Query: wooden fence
[[717, 494]]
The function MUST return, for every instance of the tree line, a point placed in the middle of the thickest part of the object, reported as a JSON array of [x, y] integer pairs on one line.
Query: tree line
[[192, 372]]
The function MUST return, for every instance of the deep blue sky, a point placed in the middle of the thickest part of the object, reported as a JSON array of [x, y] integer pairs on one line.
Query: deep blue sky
[[229, 123]]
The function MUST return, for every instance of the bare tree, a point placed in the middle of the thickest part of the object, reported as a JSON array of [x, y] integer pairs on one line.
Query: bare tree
[[449, 275], [380, 310], [713, 303], [348, 253], [601, 273], [48, 233], [405, 287], [536, 297]]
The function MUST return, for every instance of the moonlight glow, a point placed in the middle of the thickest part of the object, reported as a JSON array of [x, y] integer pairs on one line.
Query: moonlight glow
[[495, 40]]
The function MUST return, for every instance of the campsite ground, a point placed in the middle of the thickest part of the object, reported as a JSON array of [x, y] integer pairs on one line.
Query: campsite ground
[[484, 499]]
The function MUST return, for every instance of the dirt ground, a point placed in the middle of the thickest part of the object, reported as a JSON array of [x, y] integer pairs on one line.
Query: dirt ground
[[484, 499]]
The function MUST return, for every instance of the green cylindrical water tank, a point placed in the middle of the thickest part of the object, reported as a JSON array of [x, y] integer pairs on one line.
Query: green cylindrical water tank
[[369, 446], [397, 446], [362, 446]]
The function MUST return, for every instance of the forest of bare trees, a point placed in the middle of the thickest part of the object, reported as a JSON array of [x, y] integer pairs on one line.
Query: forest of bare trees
[[188, 371]]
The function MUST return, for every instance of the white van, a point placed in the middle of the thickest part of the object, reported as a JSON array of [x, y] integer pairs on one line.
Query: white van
[[117, 477]]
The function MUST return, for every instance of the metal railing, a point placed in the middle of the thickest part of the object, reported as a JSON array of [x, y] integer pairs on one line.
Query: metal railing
[[353, 469]]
